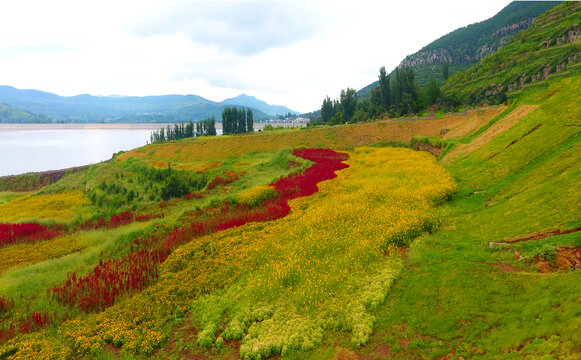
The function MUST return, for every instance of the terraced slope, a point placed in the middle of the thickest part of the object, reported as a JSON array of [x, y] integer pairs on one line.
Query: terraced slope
[[550, 48], [466, 46]]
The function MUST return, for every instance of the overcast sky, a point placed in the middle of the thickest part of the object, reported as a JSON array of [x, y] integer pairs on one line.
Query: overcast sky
[[283, 52]]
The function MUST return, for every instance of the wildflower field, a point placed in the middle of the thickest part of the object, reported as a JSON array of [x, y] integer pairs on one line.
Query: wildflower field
[[308, 252], [326, 262], [58, 207], [452, 236]]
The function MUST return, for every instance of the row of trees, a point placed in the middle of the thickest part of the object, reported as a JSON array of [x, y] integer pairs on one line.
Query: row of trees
[[206, 127], [394, 96], [340, 110], [237, 121], [402, 95]]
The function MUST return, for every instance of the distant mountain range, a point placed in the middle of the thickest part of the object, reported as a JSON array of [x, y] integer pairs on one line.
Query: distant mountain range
[[466, 46], [39, 106]]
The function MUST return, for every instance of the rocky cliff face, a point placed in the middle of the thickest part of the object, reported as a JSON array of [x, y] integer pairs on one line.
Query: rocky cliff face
[[467, 54]]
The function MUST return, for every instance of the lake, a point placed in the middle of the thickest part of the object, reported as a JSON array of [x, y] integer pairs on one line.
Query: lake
[[39, 147]]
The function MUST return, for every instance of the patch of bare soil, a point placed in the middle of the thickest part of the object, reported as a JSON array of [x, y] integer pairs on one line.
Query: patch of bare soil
[[422, 146], [187, 333], [346, 354], [114, 350], [382, 351], [508, 268], [293, 164], [565, 259]]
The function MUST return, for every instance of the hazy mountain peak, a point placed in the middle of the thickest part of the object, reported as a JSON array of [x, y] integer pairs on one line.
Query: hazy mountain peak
[[251, 101]]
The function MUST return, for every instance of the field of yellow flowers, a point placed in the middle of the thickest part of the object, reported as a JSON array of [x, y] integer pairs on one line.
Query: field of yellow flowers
[[276, 287], [59, 207]]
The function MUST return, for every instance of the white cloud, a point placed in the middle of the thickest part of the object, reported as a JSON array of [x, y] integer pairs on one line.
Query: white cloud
[[288, 53], [244, 28]]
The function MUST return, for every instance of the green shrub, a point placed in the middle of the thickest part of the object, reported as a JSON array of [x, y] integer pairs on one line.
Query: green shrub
[[206, 337], [234, 330]]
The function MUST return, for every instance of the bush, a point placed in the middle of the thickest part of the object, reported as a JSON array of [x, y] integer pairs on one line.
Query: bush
[[234, 330], [206, 337]]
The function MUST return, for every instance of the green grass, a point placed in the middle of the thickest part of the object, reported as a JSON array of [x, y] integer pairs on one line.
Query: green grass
[[453, 296], [6, 196]]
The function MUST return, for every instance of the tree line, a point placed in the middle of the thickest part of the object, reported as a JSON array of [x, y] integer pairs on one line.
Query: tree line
[[237, 121], [206, 127], [394, 96]]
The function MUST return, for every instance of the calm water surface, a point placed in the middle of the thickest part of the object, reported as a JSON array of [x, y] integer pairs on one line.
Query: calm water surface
[[23, 151]]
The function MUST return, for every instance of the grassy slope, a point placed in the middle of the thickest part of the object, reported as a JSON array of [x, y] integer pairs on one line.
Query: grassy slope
[[27, 270], [453, 298]]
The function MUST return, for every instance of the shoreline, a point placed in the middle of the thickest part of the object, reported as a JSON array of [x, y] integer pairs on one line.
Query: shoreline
[[119, 126], [87, 126]]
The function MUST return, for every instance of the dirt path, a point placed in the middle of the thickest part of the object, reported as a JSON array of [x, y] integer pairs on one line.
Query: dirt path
[[540, 235]]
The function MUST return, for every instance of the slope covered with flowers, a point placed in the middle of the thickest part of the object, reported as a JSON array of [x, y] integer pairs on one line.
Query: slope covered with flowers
[[277, 287]]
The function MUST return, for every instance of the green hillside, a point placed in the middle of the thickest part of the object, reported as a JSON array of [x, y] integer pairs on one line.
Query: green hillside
[[460, 296], [465, 46], [550, 48], [9, 114]]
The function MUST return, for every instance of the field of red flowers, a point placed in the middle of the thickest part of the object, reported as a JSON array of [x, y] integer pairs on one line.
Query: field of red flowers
[[138, 269], [25, 232]]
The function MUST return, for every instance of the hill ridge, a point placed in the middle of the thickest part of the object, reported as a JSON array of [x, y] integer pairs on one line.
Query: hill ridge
[[465, 46], [153, 108]]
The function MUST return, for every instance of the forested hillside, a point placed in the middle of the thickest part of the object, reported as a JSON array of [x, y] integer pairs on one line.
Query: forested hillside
[[8, 114], [463, 47], [550, 48]]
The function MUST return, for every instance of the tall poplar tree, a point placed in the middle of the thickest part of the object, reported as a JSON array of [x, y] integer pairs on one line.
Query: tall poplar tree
[[326, 110], [249, 120], [385, 87]]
